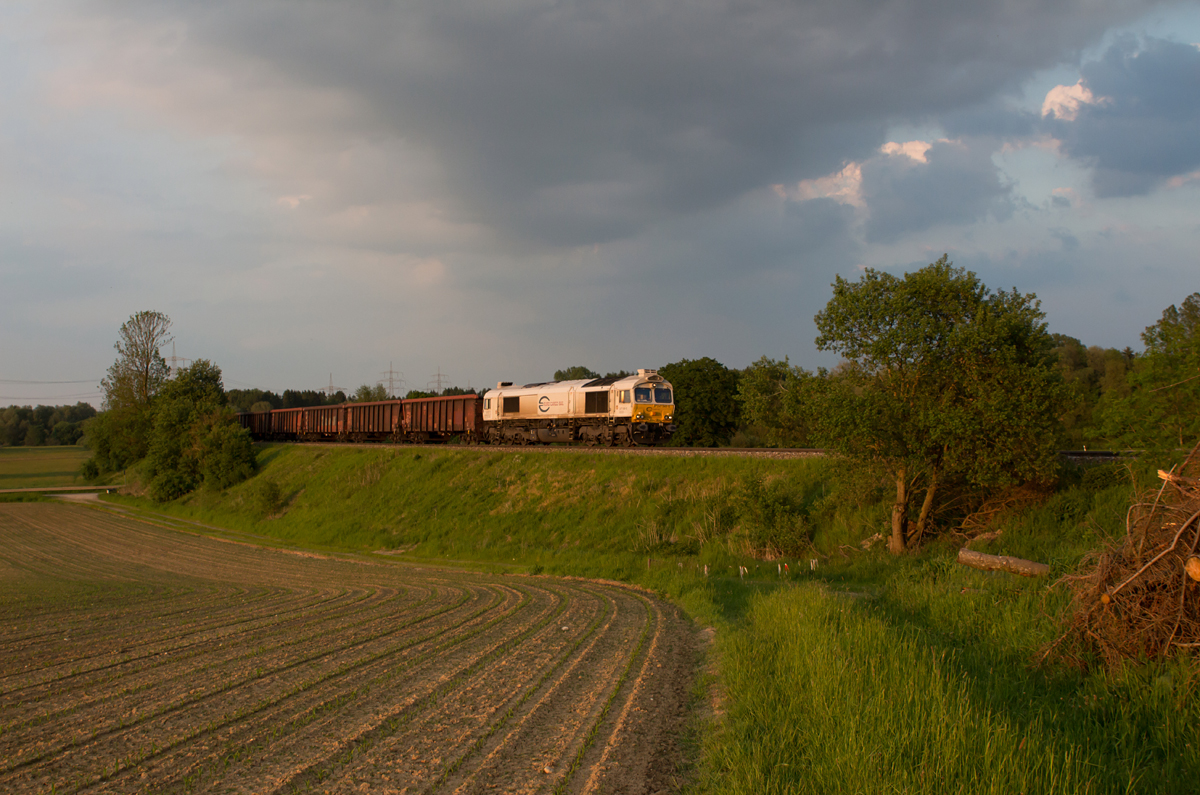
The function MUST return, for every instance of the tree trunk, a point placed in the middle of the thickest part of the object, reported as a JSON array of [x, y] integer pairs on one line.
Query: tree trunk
[[899, 513], [926, 507], [980, 560]]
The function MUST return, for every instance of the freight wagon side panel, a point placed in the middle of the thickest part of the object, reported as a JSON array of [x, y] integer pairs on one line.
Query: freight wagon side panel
[[323, 421], [285, 423], [445, 416], [373, 420]]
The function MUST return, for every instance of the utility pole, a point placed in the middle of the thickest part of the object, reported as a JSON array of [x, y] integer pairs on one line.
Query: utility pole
[[174, 361], [393, 377], [332, 390], [438, 380]]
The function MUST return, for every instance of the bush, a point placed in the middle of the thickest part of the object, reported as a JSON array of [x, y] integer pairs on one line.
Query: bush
[[89, 470], [169, 485], [265, 496], [773, 520], [227, 455]]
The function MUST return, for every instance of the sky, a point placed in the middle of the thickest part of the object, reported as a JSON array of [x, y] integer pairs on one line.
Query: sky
[[491, 190]]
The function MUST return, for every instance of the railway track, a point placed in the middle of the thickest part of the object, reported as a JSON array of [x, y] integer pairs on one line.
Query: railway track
[[1079, 456]]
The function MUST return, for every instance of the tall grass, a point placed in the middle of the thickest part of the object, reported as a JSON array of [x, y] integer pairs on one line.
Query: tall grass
[[920, 675], [826, 697]]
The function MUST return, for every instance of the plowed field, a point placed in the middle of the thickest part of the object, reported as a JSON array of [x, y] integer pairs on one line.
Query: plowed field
[[135, 658]]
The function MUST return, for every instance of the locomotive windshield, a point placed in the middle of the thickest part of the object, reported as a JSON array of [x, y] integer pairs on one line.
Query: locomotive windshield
[[649, 394]]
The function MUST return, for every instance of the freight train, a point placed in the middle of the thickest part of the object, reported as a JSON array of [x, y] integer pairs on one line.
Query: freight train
[[619, 410]]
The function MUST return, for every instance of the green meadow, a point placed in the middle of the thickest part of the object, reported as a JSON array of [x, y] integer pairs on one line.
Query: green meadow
[[39, 467], [853, 672]]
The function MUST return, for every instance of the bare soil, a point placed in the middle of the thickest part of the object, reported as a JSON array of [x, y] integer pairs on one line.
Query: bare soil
[[136, 658]]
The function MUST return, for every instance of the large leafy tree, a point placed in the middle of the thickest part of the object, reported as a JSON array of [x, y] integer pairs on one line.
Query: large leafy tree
[[196, 438], [1160, 406], [707, 411], [140, 369], [770, 392], [944, 379], [119, 435]]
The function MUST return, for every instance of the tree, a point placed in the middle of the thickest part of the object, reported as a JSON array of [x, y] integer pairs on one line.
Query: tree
[[247, 399], [576, 373], [944, 379], [140, 370], [1090, 376], [1159, 407], [369, 394], [769, 392], [707, 411], [294, 399], [119, 435], [196, 437]]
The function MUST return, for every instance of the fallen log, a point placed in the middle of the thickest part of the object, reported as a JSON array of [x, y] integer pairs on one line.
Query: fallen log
[[980, 560]]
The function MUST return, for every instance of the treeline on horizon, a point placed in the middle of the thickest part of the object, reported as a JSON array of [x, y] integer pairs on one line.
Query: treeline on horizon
[[30, 426], [1112, 398]]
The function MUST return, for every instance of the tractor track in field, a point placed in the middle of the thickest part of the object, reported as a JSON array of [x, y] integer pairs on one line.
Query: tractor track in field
[[137, 658]]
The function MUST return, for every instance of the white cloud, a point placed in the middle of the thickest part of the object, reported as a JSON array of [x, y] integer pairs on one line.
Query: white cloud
[[1063, 102], [914, 150], [844, 187]]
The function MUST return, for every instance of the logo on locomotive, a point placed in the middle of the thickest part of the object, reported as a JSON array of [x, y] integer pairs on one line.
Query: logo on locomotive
[[544, 404]]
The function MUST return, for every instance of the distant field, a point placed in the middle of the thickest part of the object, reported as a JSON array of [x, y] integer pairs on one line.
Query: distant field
[[35, 467]]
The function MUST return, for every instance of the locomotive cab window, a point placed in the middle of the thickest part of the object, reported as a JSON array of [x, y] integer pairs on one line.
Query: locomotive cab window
[[487, 403], [623, 396], [662, 395], [643, 394]]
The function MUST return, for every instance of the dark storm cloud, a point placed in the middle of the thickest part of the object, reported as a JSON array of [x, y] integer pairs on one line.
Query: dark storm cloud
[[575, 123], [957, 184], [1144, 125]]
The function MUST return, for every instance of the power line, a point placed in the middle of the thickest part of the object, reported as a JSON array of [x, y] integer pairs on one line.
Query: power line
[[438, 379], [332, 390], [392, 379], [9, 381], [49, 397]]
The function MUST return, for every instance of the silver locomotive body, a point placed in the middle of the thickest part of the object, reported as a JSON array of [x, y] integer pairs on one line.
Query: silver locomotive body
[[632, 410]]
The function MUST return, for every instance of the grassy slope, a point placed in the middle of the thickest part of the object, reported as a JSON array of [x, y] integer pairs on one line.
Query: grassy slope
[[870, 674], [37, 467]]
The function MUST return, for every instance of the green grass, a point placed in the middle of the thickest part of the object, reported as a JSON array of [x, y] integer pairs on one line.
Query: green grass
[[563, 513], [869, 674], [39, 467]]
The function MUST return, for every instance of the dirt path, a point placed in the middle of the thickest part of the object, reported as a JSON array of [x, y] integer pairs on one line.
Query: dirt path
[[135, 658]]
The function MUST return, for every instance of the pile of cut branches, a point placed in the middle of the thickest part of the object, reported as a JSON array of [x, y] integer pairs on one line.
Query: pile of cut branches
[[1140, 597]]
